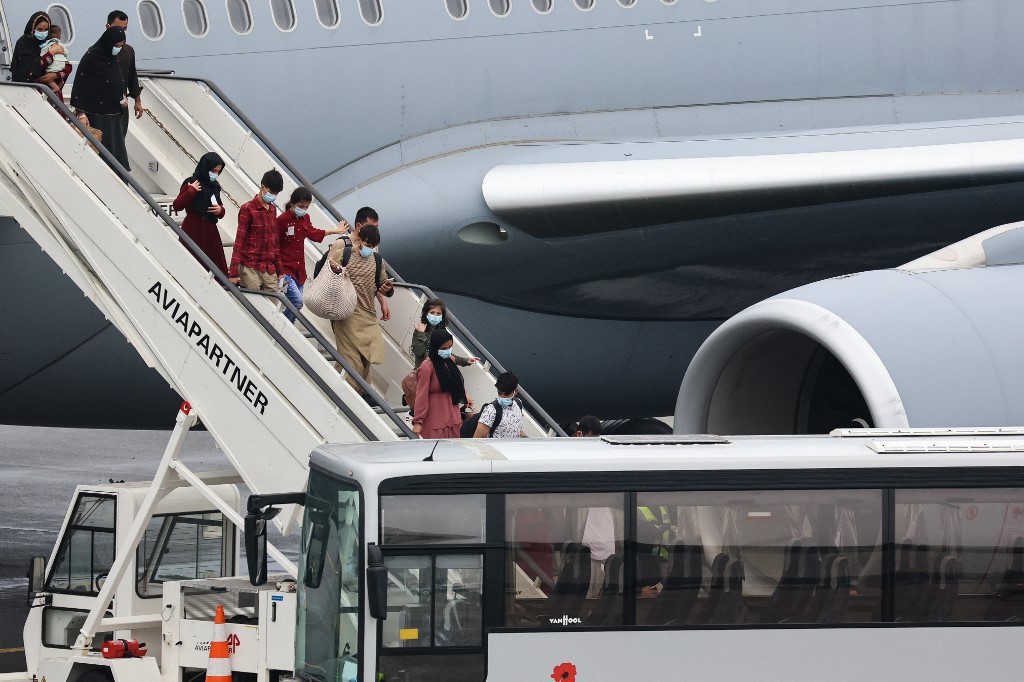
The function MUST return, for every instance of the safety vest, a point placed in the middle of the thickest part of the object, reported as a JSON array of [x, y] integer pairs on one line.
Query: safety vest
[[665, 524]]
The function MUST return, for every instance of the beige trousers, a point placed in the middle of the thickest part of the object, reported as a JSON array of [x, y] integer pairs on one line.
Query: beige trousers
[[256, 280]]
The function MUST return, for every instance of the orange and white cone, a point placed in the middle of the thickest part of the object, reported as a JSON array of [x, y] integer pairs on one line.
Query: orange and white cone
[[219, 668]]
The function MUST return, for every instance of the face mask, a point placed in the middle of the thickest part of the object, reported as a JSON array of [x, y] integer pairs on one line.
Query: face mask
[[115, 51], [433, 320], [42, 35], [269, 198], [505, 402], [214, 176], [444, 353], [365, 251], [299, 212]]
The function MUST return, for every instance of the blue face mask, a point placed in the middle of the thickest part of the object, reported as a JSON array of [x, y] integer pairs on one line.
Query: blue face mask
[[269, 198], [505, 402], [365, 251], [42, 35], [214, 176], [299, 212], [433, 320], [444, 353], [115, 51]]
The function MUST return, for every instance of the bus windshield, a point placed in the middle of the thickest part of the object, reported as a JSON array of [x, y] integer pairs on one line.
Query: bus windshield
[[327, 638]]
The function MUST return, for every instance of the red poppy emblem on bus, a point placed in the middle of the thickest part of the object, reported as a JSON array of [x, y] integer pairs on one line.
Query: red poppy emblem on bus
[[565, 672]]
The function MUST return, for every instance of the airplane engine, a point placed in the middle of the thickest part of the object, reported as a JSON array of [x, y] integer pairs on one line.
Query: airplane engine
[[936, 343]]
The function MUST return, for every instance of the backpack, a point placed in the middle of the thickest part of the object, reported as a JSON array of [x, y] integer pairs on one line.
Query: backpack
[[471, 422], [345, 258]]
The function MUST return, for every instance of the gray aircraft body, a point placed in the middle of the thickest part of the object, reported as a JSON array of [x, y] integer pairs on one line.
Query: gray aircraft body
[[593, 185]]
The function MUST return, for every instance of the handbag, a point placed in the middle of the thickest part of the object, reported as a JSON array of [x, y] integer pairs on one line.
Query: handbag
[[409, 388], [331, 295]]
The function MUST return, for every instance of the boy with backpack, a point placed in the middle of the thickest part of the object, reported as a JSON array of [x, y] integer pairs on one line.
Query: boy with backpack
[[502, 418]]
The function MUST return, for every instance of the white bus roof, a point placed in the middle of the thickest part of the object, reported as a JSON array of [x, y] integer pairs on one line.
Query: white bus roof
[[865, 448]]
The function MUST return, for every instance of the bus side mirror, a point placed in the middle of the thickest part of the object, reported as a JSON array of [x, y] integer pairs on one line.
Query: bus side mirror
[[260, 510], [256, 548], [376, 582], [36, 577]]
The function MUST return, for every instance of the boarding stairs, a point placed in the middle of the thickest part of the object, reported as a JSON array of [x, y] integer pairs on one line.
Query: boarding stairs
[[269, 391]]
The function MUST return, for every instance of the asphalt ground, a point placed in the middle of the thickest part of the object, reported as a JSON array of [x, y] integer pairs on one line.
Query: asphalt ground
[[39, 469]]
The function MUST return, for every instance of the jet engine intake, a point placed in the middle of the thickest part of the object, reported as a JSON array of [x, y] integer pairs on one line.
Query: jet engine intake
[[912, 347]]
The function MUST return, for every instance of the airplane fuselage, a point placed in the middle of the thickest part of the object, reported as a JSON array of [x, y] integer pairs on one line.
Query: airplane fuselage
[[598, 308]]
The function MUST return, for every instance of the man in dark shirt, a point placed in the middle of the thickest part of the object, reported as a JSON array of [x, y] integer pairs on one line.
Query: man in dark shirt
[[126, 62]]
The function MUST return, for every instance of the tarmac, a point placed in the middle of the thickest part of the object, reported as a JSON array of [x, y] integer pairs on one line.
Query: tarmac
[[39, 469]]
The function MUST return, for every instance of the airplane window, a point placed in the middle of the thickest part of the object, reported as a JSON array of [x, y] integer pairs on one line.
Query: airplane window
[[457, 8], [542, 6], [151, 19], [627, 3], [195, 17], [327, 12], [240, 15], [371, 12], [585, 4], [60, 16], [284, 14], [499, 7]]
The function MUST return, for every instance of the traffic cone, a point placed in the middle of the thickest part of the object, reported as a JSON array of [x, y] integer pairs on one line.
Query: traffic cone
[[219, 668]]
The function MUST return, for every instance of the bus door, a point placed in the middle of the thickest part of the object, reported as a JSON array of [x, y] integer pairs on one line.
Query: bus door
[[438, 564], [435, 626]]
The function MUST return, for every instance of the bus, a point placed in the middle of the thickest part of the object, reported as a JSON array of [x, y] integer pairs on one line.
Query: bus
[[864, 554]]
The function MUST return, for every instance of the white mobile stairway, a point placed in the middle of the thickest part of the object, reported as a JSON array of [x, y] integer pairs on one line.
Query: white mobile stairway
[[267, 390]]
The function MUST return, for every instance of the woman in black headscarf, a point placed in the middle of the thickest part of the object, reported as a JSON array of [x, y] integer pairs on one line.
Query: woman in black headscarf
[[99, 91], [27, 65], [200, 199], [440, 391]]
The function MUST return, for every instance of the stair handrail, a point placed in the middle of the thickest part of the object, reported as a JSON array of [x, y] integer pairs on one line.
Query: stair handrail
[[221, 277], [262, 138], [322, 340], [477, 347]]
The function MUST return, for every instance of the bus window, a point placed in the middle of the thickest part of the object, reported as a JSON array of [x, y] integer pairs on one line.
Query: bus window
[[959, 555], [458, 602], [564, 559], [433, 519], [758, 556], [409, 602]]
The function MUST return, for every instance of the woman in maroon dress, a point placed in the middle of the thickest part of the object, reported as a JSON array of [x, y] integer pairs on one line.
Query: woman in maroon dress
[[200, 199]]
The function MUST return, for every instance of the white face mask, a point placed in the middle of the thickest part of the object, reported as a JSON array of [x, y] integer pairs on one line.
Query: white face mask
[[115, 50]]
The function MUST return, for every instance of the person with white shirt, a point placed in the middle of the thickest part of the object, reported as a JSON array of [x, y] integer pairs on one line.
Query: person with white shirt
[[510, 422]]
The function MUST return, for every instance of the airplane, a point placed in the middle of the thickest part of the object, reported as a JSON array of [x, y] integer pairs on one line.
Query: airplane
[[594, 186]]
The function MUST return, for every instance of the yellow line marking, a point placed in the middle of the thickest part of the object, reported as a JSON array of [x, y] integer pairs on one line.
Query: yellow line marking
[[15, 650]]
